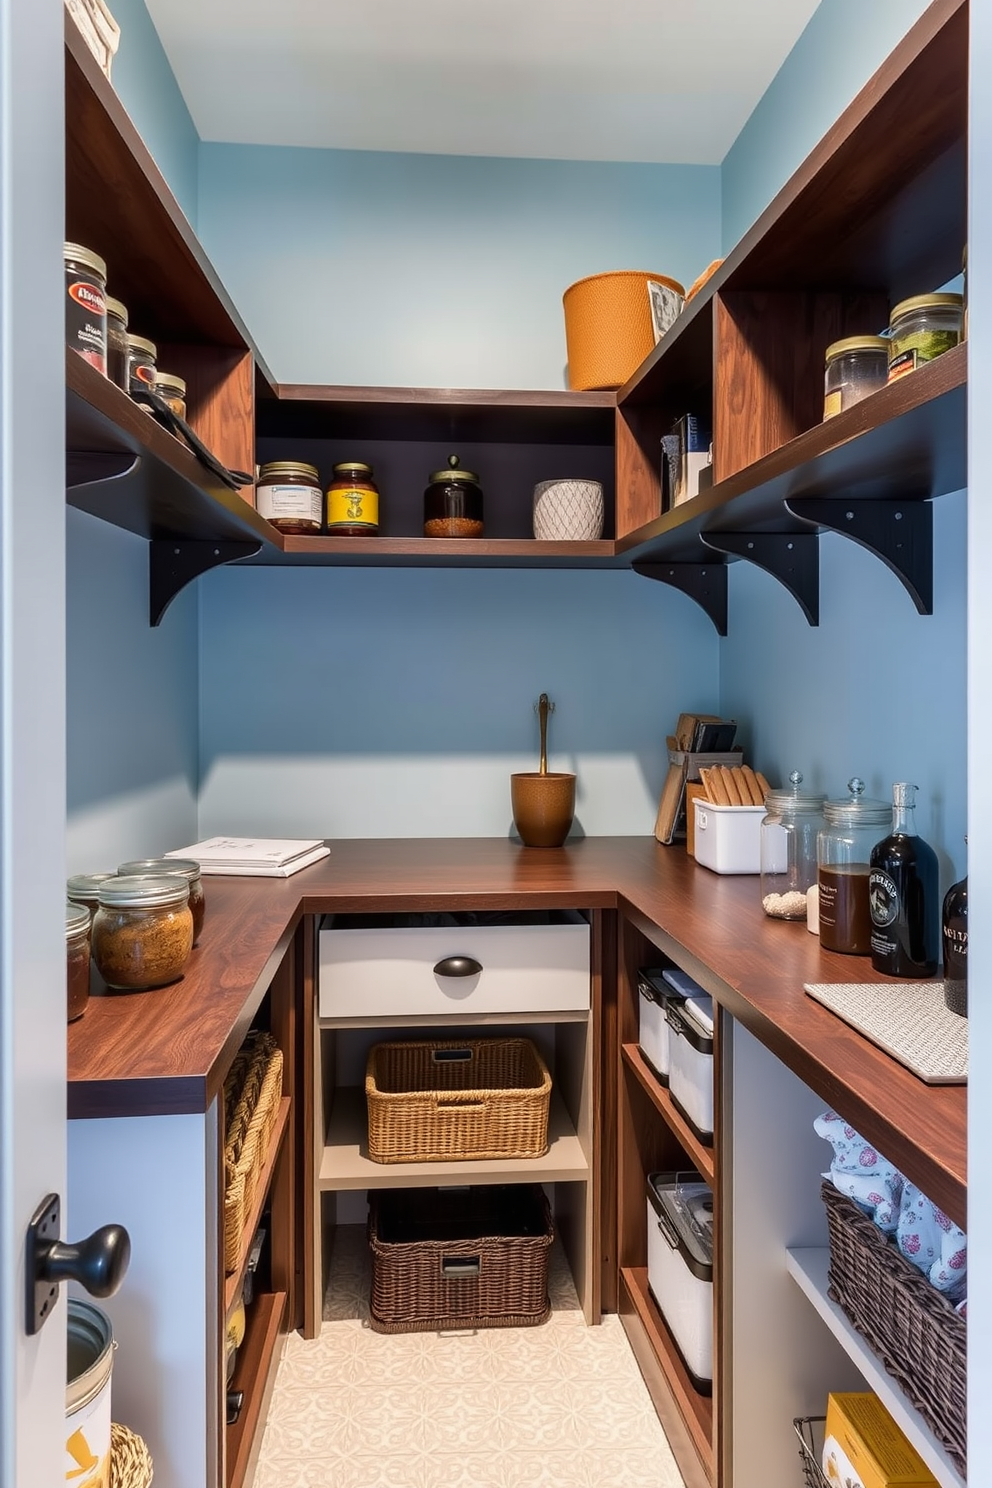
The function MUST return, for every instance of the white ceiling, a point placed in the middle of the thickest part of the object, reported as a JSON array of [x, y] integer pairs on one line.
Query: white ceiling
[[639, 80]]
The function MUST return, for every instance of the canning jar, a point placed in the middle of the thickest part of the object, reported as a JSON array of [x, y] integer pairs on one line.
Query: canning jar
[[288, 495], [172, 390], [86, 304], [352, 501], [851, 829], [117, 342], [921, 329], [142, 932], [186, 869], [141, 358], [77, 959], [788, 849], [84, 888], [855, 368], [453, 503]]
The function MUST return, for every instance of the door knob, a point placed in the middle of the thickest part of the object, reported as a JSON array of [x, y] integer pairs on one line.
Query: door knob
[[458, 966], [99, 1263]]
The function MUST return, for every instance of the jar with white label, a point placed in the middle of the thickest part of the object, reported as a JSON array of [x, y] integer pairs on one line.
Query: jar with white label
[[288, 494]]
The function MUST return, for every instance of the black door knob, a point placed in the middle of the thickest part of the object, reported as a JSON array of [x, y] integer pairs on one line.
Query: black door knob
[[458, 966], [99, 1263]]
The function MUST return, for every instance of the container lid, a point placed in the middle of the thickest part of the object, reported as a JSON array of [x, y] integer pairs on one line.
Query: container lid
[[86, 885], [857, 810], [139, 343], [78, 254], [288, 467], [684, 1205], [171, 381], [700, 1010], [77, 919], [118, 308], [132, 892], [926, 302], [160, 868], [355, 466], [649, 983], [696, 1028], [682, 983], [793, 802], [857, 343], [452, 473]]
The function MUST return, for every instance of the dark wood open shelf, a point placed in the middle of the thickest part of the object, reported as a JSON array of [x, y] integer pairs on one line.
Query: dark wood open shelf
[[644, 1324], [437, 552], [700, 1152], [232, 1283], [254, 1373]]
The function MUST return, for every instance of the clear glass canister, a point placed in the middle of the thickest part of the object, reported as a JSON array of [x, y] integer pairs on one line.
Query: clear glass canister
[[172, 390], [141, 358], [855, 368], [288, 494], [117, 342], [186, 869], [788, 849], [84, 888], [453, 503], [77, 959], [921, 329], [142, 932], [851, 829]]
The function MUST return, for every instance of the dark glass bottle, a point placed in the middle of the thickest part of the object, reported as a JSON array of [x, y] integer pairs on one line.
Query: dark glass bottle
[[903, 895], [956, 948]]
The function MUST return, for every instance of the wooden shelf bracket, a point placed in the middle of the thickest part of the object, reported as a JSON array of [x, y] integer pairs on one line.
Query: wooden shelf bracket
[[706, 583], [172, 564], [791, 557], [93, 467], [900, 533]]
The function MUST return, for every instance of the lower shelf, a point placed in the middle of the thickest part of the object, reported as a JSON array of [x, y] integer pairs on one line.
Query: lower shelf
[[700, 1152], [808, 1268], [255, 1374], [232, 1283]]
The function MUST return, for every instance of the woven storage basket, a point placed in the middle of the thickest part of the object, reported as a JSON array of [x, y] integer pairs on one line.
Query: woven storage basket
[[451, 1101], [608, 327], [912, 1328], [251, 1111], [475, 1258], [130, 1459]]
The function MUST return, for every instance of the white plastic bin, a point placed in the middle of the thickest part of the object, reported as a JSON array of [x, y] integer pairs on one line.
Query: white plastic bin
[[652, 1024], [728, 838], [680, 1266], [690, 1074]]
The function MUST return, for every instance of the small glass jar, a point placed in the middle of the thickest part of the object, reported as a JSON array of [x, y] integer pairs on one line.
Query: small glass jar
[[77, 959], [352, 502], [117, 342], [851, 829], [86, 304], [921, 329], [788, 850], [142, 932], [184, 868], [84, 888], [141, 358], [288, 495], [172, 390], [855, 368], [453, 503]]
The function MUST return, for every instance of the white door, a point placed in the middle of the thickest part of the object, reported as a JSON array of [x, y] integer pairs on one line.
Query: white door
[[32, 721]]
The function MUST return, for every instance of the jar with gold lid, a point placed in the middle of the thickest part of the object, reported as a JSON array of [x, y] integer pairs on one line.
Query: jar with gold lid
[[172, 390], [453, 503], [288, 495], [352, 501], [921, 329], [142, 356], [117, 342]]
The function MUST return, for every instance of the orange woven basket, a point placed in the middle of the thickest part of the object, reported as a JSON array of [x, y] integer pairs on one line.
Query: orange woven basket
[[608, 330]]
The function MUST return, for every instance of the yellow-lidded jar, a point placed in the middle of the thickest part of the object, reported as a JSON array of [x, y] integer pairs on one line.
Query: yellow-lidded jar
[[855, 367], [288, 495], [173, 390], [352, 501], [921, 329]]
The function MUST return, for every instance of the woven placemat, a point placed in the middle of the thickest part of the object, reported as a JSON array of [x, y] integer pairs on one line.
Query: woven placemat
[[909, 1020]]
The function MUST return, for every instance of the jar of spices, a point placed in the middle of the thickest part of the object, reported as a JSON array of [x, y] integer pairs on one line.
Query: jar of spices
[[855, 368], [352, 501], [921, 329], [77, 959], [142, 932], [172, 390], [184, 868], [86, 304], [851, 829], [141, 358], [84, 888], [288, 495], [453, 503], [788, 849], [117, 342]]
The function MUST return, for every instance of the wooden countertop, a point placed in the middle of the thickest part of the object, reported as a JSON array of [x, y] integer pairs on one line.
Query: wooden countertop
[[167, 1051]]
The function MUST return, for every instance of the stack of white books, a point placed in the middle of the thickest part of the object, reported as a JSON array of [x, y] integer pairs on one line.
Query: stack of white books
[[264, 857]]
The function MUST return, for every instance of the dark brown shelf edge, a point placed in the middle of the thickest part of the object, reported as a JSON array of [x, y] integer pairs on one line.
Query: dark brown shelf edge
[[440, 547], [662, 1101], [232, 1283], [255, 1374], [468, 399], [686, 1416]]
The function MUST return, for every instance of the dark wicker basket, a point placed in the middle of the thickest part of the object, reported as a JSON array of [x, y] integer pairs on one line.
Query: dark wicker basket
[[468, 1258], [912, 1328]]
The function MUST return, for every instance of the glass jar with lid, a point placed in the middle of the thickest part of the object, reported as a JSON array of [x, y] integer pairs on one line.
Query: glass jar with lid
[[117, 342], [288, 494], [77, 959], [852, 827], [921, 329], [84, 888], [453, 503], [172, 390], [352, 501], [788, 849], [142, 356], [185, 868], [855, 368], [142, 932]]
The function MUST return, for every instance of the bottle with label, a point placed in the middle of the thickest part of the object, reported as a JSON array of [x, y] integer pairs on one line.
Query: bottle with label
[[956, 948], [903, 895]]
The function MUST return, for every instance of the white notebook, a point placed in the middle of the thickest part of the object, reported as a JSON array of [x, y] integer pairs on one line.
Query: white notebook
[[266, 857]]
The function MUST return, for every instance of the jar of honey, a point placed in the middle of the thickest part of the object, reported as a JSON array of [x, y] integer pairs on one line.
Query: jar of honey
[[288, 495], [453, 503], [352, 501]]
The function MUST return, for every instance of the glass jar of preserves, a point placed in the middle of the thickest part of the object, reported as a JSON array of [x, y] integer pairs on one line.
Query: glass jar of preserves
[[141, 358], [352, 501], [921, 329], [851, 829], [288, 494], [142, 932], [453, 503], [117, 342], [84, 888], [172, 390], [186, 869], [788, 849], [86, 304], [77, 959], [855, 368]]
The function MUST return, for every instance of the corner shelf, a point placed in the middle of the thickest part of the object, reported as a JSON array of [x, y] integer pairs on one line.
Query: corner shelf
[[232, 1283], [701, 1154], [656, 1353], [254, 1373]]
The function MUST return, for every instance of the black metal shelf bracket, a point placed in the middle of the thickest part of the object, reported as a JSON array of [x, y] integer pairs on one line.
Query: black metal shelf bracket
[[791, 557], [172, 564], [900, 533], [706, 583], [91, 467]]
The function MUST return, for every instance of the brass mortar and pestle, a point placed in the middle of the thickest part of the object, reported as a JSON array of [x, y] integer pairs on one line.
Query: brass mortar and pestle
[[544, 800]]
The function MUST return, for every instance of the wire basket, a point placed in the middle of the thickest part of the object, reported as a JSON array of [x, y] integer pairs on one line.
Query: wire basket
[[809, 1430]]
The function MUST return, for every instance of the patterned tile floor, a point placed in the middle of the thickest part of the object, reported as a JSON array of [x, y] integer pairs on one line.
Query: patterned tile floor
[[559, 1406]]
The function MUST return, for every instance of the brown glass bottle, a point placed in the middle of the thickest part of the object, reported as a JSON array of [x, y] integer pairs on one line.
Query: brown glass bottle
[[955, 937], [902, 892]]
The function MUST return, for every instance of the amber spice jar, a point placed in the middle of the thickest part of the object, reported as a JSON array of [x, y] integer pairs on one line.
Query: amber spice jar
[[142, 932], [453, 503]]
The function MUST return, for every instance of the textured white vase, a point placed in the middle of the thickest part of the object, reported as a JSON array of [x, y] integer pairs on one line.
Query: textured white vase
[[568, 510]]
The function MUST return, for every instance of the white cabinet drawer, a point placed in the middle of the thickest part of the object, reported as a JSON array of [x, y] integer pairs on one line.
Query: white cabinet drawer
[[409, 970]]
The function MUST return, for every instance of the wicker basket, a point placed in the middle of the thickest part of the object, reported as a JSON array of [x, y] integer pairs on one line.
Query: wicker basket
[[912, 1328], [130, 1459], [251, 1104], [470, 1258], [451, 1101], [608, 327]]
